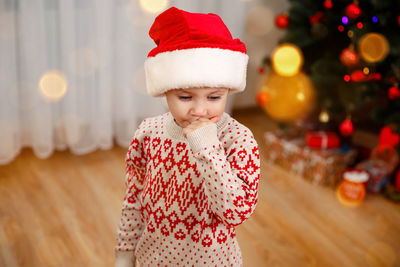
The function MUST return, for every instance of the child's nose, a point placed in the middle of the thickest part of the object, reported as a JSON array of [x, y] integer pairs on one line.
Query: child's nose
[[199, 110]]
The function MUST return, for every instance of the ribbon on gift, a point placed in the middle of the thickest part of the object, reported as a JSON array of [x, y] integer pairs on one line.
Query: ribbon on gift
[[322, 139]]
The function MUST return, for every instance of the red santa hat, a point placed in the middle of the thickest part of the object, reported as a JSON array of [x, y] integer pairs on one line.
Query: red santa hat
[[194, 50]]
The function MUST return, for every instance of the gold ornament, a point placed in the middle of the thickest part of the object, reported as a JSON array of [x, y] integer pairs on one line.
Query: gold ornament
[[287, 59], [290, 98], [373, 47], [324, 116]]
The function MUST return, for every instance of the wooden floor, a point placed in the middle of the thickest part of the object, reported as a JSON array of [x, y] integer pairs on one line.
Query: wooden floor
[[63, 211]]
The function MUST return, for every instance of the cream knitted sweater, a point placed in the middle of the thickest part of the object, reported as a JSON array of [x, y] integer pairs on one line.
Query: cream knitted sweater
[[185, 195]]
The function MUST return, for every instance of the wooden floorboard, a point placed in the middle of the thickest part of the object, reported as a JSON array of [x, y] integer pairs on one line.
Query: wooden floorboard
[[64, 210]]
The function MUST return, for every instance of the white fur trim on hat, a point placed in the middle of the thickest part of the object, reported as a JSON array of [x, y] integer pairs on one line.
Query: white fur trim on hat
[[196, 67]]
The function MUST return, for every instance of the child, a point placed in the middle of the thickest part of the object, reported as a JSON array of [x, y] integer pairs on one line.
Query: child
[[192, 173]]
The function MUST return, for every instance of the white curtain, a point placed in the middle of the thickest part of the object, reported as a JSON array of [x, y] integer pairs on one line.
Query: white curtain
[[71, 71]]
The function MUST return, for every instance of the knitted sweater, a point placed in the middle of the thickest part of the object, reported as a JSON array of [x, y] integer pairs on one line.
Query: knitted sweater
[[185, 195]]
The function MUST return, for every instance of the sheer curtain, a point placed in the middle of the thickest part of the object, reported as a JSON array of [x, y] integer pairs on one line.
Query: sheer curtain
[[71, 71]]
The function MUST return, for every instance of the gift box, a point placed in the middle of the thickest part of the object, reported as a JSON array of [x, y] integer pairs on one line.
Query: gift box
[[319, 166]]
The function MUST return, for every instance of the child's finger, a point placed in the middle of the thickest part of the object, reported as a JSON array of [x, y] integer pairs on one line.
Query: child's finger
[[215, 119]]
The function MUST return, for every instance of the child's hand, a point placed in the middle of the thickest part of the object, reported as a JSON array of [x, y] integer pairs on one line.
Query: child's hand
[[197, 124]]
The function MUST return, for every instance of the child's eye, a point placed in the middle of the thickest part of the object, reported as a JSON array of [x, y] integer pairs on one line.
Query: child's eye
[[184, 97], [214, 97]]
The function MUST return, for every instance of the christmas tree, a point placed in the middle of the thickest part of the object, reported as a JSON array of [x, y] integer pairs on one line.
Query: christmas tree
[[349, 52]]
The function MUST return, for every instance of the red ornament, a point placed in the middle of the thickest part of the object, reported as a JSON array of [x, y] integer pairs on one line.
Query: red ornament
[[353, 11], [328, 4], [394, 93], [316, 17], [349, 57], [262, 98], [346, 127], [282, 21], [358, 76], [260, 70], [374, 77]]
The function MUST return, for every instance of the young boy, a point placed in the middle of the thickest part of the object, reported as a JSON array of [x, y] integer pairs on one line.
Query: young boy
[[192, 173]]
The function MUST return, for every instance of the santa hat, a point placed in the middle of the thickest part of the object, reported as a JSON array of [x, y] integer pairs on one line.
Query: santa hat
[[194, 50]]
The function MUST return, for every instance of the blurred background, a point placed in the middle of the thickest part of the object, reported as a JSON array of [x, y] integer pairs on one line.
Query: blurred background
[[322, 100], [72, 72]]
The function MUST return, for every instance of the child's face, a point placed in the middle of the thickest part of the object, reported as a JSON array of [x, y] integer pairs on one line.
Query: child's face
[[190, 104]]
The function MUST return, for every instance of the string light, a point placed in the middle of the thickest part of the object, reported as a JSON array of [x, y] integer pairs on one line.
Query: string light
[[350, 34], [345, 20], [375, 19], [324, 116], [366, 70], [347, 78], [341, 28], [359, 25]]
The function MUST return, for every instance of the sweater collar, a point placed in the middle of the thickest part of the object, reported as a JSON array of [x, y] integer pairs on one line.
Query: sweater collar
[[175, 130]]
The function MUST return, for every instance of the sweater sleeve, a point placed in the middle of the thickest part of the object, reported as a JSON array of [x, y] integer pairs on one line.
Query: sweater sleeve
[[131, 225], [231, 176]]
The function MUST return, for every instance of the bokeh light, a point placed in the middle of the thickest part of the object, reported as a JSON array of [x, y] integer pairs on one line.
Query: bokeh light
[[375, 19], [341, 28], [345, 20], [53, 85], [360, 25], [290, 98], [350, 33], [259, 20], [324, 116], [153, 6], [287, 59], [373, 47], [366, 70]]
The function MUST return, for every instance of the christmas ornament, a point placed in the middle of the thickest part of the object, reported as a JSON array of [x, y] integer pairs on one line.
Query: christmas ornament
[[373, 47], [346, 127], [358, 76], [290, 98], [349, 57], [262, 98], [352, 190], [353, 11], [287, 59], [324, 116], [282, 21], [394, 93], [328, 4], [316, 17]]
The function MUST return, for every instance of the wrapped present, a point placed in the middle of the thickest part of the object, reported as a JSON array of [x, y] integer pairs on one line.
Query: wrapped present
[[319, 166], [322, 139]]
